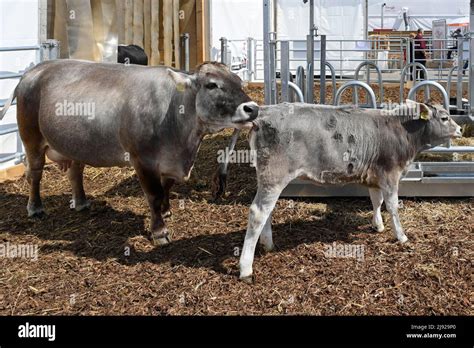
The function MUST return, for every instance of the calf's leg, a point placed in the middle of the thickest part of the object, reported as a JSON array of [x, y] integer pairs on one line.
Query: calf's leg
[[259, 215], [376, 197], [75, 175], [390, 194], [151, 185], [266, 238]]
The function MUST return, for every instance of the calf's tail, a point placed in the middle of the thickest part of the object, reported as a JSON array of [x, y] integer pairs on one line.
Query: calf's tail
[[7, 105]]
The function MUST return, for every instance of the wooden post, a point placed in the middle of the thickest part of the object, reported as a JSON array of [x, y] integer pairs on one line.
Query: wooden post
[[147, 28], [188, 25], [138, 22], [168, 32], [176, 34], [128, 22], [155, 32], [202, 30]]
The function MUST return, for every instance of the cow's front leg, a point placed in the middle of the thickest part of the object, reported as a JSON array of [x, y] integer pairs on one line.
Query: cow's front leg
[[151, 185], [75, 175], [167, 183], [266, 238], [376, 197], [259, 214], [390, 194]]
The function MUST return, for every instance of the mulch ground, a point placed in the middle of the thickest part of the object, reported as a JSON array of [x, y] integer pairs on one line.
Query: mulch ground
[[100, 261]]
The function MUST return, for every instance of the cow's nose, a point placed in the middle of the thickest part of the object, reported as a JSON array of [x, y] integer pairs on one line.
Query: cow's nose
[[251, 109]]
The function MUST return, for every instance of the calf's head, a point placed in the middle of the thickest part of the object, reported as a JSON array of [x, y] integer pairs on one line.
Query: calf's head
[[438, 126], [220, 99]]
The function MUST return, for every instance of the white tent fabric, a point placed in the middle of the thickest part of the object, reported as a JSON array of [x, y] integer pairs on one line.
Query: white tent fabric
[[421, 13], [337, 19]]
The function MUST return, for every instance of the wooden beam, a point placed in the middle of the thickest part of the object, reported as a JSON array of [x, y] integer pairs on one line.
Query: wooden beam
[[168, 32], [202, 17], [138, 22], [188, 25], [155, 32], [147, 28], [176, 40]]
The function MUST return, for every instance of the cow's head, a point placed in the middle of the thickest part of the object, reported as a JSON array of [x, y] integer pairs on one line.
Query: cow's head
[[220, 99], [439, 127]]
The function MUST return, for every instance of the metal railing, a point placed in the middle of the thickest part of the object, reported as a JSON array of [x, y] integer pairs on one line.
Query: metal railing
[[47, 50]]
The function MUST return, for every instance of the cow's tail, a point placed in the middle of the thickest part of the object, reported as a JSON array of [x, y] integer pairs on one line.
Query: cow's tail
[[219, 181], [7, 105]]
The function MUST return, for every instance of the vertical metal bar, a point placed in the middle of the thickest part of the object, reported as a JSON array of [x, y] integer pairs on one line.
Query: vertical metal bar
[[366, 37], [309, 97], [223, 50], [268, 57], [381, 15], [285, 70], [471, 60], [272, 67], [50, 50], [185, 51], [459, 80], [250, 70], [322, 71]]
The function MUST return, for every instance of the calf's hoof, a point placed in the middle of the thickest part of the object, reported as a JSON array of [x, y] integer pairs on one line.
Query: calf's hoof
[[267, 248], [161, 237], [402, 239], [378, 228], [248, 279]]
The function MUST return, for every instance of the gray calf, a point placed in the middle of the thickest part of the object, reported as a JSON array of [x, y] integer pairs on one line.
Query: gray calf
[[330, 145]]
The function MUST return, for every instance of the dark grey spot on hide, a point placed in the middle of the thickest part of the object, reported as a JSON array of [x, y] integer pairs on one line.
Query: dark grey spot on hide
[[338, 137], [350, 168], [331, 123], [351, 139]]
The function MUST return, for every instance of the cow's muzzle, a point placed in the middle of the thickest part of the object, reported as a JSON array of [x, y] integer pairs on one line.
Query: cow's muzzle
[[245, 113]]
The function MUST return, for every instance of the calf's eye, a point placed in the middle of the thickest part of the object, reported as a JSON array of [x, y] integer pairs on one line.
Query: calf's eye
[[444, 119], [211, 85]]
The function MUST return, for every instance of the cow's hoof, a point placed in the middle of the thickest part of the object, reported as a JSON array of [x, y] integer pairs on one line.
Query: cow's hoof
[[36, 213], [403, 239], [160, 238], [248, 279], [40, 214], [378, 228], [82, 206], [167, 214]]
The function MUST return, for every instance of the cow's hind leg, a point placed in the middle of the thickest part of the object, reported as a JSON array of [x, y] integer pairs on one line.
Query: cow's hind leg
[[35, 159], [266, 238], [75, 175], [390, 195], [376, 197], [259, 214], [151, 185]]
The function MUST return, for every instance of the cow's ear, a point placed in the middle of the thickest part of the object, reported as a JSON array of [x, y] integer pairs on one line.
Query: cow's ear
[[182, 81]]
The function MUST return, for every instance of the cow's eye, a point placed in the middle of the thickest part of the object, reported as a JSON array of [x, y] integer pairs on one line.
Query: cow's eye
[[444, 118], [211, 85]]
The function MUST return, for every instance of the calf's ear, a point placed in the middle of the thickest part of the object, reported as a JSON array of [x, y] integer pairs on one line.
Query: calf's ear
[[423, 112], [182, 81]]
